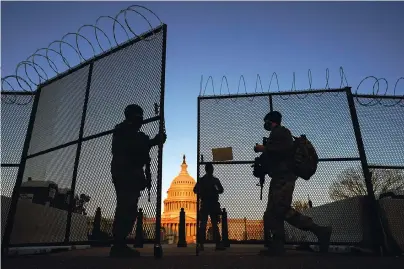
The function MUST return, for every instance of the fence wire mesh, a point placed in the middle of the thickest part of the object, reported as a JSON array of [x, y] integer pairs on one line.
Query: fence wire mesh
[[131, 74], [336, 195], [14, 123], [382, 132], [59, 111], [381, 121]]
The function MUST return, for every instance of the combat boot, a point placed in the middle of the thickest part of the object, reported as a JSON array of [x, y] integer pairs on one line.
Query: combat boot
[[275, 248], [201, 247], [118, 251], [323, 235]]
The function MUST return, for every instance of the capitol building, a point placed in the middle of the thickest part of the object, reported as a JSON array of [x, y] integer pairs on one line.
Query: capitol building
[[180, 195]]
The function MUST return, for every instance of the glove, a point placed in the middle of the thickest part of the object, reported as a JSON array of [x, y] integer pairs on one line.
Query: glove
[[162, 137]]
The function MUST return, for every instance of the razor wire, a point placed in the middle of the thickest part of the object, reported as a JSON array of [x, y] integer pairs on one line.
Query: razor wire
[[27, 83], [377, 99], [375, 96], [274, 78]]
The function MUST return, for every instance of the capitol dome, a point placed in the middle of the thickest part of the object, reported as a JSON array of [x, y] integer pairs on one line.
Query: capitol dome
[[181, 195], [183, 179]]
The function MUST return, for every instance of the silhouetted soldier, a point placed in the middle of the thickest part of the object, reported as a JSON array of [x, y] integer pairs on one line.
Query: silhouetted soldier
[[130, 153], [209, 188], [279, 150]]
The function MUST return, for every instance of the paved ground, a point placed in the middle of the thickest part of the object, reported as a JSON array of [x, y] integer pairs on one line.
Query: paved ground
[[236, 257]]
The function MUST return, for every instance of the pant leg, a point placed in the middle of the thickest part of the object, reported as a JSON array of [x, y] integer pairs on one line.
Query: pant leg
[[267, 232], [298, 220], [279, 201], [215, 220], [203, 219], [125, 212], [279, 206]]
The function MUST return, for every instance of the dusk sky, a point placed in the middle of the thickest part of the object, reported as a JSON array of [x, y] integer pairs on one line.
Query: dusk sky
[[233, 39]]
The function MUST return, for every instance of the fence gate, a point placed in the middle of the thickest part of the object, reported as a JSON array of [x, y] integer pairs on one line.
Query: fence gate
[[330, 120], [67, 149]]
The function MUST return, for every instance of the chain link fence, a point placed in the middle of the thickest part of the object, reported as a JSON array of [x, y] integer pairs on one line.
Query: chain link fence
[[335, 122], [381, 119], [68, 156], [14, 123]]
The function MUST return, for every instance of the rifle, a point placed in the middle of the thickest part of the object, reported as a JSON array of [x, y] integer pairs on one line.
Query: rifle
[[258, 172], [258, 166]]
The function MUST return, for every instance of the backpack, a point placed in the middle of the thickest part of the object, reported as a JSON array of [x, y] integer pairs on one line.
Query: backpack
[[305, 157]]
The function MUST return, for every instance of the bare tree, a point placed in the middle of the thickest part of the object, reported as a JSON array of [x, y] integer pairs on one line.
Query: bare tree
[[80, 203], [351, 183], [299, 205]]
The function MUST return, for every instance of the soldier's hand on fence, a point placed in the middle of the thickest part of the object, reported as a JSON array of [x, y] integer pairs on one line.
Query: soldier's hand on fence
[[160, 137]]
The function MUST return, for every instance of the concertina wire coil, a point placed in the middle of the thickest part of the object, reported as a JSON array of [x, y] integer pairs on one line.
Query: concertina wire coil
[[30, 85], [26, 82], [376, 95]]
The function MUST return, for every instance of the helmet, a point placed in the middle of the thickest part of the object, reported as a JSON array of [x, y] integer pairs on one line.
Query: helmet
[[133, 111], [274, 116], [209, 166]]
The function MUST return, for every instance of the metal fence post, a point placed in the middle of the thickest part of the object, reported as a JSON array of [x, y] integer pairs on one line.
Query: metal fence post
[[96, 232], [376, 217], [197, 173], [225, 229], [181, 230], [16, 191], [158, 251], [78, 152]]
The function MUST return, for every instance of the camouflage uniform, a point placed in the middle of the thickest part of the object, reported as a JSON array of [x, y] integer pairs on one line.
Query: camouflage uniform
[[210, 205], [279, 148], [130, 150]]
